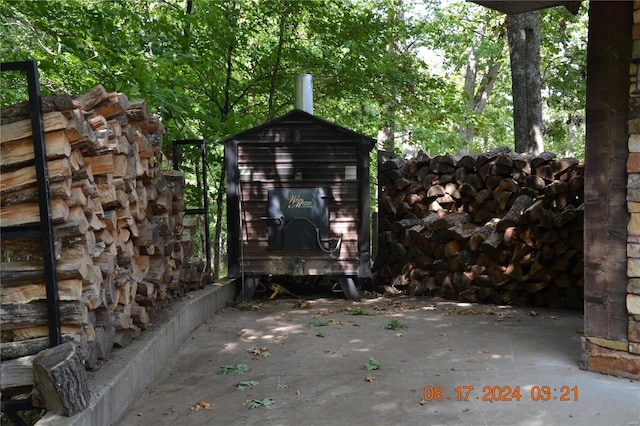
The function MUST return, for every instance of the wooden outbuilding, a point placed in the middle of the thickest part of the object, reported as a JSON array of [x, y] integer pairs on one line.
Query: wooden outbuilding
[[298, 202]]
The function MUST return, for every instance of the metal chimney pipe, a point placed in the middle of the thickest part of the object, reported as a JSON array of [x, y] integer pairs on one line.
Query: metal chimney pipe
[[304, 93]]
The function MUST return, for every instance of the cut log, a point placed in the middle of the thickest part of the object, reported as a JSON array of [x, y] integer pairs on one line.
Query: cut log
[[100, 164], [51, 121], [515, 213], [61, 189], [18, 349], [20, 152], [16, 373], [22, 110], [60, 379], [25, 272], [35, 314], [28, 213], [91, 99], [57, 170], [70, 290], [112, 208], [140, 316]]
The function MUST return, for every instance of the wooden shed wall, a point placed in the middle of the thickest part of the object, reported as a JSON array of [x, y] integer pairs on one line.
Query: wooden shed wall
[[298, 154]]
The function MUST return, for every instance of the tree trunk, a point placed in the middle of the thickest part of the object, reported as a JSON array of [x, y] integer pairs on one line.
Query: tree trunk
[[478, 97], [524, 49]]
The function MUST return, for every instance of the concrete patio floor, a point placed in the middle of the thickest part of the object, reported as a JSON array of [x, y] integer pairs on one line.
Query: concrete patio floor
[[445, 363], [439, 363]]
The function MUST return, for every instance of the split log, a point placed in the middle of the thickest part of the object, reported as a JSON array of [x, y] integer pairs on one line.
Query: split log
[[21, 110], [51, 121], [18, 349], [28, 213], [60, 380], [515, 213], [517, 229], [57, 170], [68, 290], [35, 313], [20, 152], [112, 208], [16, 373], [21, 272]]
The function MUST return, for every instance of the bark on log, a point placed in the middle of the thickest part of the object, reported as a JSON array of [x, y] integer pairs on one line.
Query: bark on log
[[60, 380], [112, 208], [537, 232]]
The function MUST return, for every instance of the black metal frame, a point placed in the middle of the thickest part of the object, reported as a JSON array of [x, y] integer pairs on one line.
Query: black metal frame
[[44, 230], [204, 210]]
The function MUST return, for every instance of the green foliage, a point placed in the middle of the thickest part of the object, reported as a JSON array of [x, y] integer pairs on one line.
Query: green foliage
[[394, 325], [358, 310], [246, 384], [255, 403], [372, 364], [226, 66], [317, 322], [230, 369]]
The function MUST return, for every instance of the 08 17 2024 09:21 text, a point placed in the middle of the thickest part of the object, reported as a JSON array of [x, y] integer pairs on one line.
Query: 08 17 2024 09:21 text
[[496, 393]]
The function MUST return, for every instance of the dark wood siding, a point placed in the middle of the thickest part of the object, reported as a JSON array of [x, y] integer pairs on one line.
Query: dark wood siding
[[606, 216], [298, 152]]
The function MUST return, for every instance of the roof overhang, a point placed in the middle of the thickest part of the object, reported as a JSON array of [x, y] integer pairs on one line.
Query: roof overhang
[[515, 7]]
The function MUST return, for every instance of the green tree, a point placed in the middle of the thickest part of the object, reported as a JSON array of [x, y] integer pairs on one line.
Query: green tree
[[214, 68]]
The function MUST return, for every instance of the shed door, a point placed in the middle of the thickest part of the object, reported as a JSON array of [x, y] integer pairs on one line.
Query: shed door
[[298, 217]]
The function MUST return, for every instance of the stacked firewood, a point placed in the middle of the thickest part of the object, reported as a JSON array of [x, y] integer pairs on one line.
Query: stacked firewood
[[117, 220], [499, 227]]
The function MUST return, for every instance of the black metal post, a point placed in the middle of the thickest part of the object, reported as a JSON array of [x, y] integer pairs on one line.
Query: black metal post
[[207, 237], [46, 226]]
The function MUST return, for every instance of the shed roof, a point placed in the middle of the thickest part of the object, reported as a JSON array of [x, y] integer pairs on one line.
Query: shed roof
[[298, 116], [514, 7]]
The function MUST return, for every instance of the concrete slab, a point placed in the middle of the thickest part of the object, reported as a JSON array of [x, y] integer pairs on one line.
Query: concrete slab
[[453, 364], [123, 377]]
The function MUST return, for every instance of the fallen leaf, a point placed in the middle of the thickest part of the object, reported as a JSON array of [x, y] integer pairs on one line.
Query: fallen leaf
[[302, 304], [262, 351], [255, 403], [471, 360], [372, 364], [370, 379], [201, 405], [423, 402]]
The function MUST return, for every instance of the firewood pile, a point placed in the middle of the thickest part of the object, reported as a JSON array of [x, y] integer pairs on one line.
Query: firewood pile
[[499, 227], [121, 243]]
